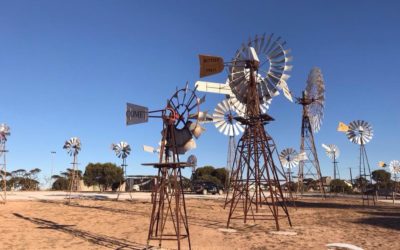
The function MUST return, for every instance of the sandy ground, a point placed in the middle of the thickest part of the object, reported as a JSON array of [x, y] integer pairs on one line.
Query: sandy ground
[[42, 220]]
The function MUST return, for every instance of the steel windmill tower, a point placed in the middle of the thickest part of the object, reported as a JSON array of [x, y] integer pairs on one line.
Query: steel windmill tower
[[168, 220], [333, 152], [122, 150], [224, 121], [73, 146], [360, 132], [312, 101], [4, 133], [256, 73], [290, 159]]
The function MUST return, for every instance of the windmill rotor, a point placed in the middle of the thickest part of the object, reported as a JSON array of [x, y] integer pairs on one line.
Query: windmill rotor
[[4, 132], [224, 121], [121, 149], [359, 132], [331, 150], [289, 158], [394, 167], [271, 59], [184, 112], [73, 146], [314, 96]]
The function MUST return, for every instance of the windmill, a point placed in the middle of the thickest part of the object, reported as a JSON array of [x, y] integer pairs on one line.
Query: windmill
[[290, 159], [192, 161], [223, 118], [180, 126], [333, 152], [4, 133], [256, 74], [73, 146], [360, 132], [394, 168], [122, 150], [312, 101]]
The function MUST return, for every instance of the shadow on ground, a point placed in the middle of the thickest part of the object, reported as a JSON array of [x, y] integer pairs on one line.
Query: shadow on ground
[[384, 217], [98, 239]]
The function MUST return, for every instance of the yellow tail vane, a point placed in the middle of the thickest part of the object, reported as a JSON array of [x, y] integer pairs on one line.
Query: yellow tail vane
[[382, 164], [342, 127]]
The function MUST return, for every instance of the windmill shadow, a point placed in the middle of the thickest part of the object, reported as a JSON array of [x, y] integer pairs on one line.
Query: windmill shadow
[[381, 218], [98, 239]]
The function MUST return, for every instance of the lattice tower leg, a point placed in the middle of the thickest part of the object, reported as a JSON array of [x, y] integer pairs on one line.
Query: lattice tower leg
[[168, 219], [365, 177], [255, 179], [309, 168], [3, 170], [74, 181]]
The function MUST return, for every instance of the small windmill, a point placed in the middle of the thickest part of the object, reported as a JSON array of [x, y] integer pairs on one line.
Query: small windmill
[[312, 101], [224, 121], [394, 168], [360, 132], [122, 150], [192, 161], [4, 133], [290, 159], [73, 146], [333, 152]]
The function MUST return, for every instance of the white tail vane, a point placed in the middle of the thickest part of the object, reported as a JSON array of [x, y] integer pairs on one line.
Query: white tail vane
[[213, 87], [302, 156]]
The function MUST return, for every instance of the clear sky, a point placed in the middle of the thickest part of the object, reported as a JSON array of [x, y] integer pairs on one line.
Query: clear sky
[[67, 68]]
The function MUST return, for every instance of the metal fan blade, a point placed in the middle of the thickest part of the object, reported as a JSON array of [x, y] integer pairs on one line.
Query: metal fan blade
[[222, 128]]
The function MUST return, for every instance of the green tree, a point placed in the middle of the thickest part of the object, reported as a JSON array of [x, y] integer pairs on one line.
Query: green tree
[[23, 180], [62, 181], [382, 178], [105, 175], [209, 173]]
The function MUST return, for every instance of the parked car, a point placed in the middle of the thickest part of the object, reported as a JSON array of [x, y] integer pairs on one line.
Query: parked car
[[205, 187]]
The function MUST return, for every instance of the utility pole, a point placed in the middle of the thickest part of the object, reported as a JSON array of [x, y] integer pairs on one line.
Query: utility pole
[[351, 176]]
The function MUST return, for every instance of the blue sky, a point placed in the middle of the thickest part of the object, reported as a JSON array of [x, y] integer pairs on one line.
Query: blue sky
[[67, 68]]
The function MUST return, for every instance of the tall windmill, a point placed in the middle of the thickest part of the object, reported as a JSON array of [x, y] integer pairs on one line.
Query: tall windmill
[[181, 125], [224, 121], [312, 101], [333, 152], [360, 132], [4, 133], [256, 74], [122, 150], [73, 146]]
